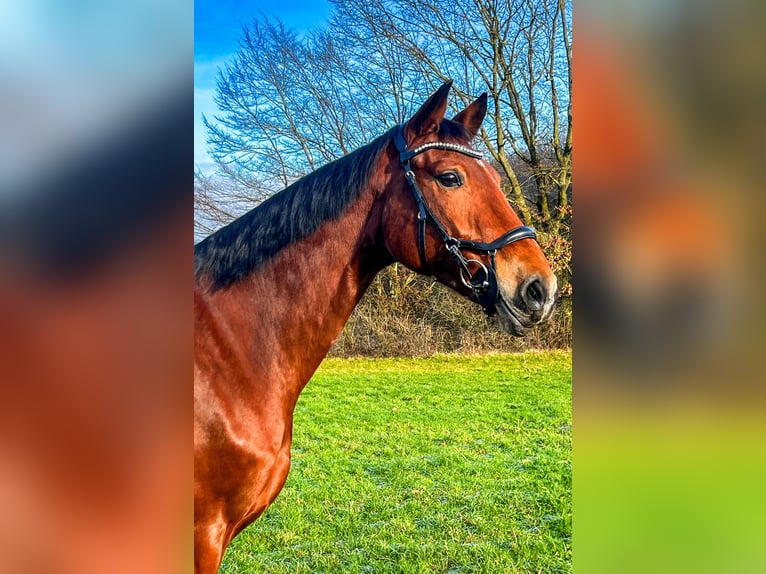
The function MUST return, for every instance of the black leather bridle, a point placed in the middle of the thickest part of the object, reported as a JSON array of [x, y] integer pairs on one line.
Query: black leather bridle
[[483, 283]]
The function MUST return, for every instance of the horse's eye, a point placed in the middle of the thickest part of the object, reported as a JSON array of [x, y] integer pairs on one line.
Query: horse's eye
[[450, 179]]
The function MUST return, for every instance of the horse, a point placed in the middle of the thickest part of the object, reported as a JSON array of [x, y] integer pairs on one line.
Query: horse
[[274, 288]]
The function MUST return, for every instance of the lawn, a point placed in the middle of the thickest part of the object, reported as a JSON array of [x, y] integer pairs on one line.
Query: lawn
[[451, 464]]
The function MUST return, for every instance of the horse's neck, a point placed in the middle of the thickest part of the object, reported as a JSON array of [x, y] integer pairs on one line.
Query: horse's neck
[[286, 315]]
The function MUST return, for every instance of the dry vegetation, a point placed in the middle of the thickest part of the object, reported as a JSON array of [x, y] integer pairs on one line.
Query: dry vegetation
[[403, 314]]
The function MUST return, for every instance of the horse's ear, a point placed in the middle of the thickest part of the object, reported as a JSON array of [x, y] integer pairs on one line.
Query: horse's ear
[[427, 119], [473, 116]]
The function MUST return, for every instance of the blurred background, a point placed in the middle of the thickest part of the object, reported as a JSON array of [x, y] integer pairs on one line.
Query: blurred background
[[95, 329], [669, 426]]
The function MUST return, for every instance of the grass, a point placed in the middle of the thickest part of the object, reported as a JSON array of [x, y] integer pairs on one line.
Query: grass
[[451, 464]]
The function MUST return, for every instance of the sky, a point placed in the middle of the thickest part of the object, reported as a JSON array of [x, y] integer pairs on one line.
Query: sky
[[217, 29]]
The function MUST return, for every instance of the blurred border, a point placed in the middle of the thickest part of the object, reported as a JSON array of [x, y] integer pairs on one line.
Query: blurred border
[[669, 426], [95, 259]]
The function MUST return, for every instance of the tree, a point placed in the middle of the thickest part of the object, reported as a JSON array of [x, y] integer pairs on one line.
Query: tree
[[220, 198], [519, 51], [289, 104]]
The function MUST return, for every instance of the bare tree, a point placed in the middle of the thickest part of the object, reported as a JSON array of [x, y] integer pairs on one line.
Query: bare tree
[[518, 51], [219, 198], [289, 104]]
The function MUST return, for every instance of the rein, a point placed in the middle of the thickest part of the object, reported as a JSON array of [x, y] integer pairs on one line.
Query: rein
[[483, 283]]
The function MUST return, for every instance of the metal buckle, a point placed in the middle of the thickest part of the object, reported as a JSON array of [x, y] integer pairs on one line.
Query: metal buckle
[[469, 282]]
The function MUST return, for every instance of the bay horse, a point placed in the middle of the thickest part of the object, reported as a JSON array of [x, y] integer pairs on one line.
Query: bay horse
[[274, 288]]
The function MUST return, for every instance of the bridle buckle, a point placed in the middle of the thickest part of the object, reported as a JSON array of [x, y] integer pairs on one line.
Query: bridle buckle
[[470, 281]]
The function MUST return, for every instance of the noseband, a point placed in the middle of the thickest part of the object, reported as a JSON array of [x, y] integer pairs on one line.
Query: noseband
[[483, 283]]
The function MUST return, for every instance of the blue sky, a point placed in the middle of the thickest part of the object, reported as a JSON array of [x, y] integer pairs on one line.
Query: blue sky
[[217, 29]]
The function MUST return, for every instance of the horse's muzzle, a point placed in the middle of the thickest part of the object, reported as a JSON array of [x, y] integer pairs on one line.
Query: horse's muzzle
[[532, 304]]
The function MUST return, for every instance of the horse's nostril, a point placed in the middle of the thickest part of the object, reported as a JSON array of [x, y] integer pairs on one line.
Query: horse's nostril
[[533, 295]]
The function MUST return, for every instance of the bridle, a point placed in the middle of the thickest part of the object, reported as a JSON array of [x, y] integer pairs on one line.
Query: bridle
[[483, 283]]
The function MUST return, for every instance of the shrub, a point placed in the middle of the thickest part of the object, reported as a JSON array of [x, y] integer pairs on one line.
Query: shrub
[[404, 314]]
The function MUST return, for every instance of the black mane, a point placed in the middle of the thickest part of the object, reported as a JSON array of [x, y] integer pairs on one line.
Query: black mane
[[234, 251]]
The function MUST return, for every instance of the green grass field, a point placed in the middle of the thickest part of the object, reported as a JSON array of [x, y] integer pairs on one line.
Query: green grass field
[[450, 464]]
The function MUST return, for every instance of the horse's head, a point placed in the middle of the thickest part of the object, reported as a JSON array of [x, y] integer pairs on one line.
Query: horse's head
[[445, 214]]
